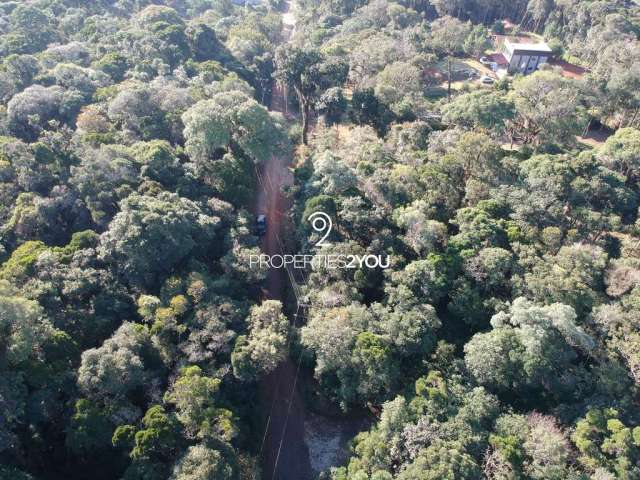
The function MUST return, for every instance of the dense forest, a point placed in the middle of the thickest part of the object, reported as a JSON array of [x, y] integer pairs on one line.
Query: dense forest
[[136, 339]]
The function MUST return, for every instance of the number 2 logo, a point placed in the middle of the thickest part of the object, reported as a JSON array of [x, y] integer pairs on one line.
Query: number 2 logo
[[321, 222]]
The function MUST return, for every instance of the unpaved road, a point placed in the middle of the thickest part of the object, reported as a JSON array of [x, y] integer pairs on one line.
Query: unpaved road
[[284, 453]]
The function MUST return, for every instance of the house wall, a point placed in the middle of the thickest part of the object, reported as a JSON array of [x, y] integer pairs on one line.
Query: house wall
[[525, 63]]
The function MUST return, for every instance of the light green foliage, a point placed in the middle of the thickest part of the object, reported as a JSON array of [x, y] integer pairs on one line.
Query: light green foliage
[[363, 347], [134, 341], [430, 434], [158, 436], [24, 326], [572, 277], [202, 463], [422, 281], [481, 109], [622, 152], [308, 74], [399, 85], [194, 396], [123, 364], [604, 442], [548, 108], [228, 120], [442, 460], [266, 344], [529, 346], [422, 234]]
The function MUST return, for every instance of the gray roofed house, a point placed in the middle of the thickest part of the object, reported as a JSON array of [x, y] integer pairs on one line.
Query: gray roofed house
[[525, 58]]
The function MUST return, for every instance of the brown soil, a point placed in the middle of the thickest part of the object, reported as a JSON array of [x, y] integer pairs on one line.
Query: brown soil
[[284, 453]]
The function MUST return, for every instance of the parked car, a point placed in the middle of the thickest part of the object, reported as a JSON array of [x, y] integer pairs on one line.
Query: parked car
[[485, 60], [261, 225], [487, 80]]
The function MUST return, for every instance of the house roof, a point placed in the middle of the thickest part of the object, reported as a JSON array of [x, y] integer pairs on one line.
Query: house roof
[[527, 47]]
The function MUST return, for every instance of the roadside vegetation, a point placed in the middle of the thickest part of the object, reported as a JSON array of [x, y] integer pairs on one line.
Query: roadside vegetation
[[502, 342]]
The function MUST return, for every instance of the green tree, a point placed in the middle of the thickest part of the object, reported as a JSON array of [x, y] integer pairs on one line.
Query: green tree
[[548, 109], [229, 121], [194, 396], [202, 463], [309, 75], [448, 37], [90, 429], [149, 237], [606, 443], [266, 344], [482, 109], [621, 152]]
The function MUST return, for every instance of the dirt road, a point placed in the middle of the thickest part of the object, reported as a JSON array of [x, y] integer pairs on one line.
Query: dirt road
[[285, 455]]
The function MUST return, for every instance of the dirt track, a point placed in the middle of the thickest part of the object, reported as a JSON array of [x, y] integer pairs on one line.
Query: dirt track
[[285, 455]]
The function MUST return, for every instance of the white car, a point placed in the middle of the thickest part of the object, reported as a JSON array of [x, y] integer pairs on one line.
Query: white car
[[485, 61]]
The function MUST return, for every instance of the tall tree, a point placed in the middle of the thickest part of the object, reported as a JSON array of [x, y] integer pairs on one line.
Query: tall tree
[[448, 36], [307, 72]]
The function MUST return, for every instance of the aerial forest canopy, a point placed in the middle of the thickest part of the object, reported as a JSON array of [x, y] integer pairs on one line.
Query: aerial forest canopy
[[136, 339]]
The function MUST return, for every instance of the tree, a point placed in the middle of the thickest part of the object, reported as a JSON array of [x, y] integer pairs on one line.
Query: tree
[[90, 429], [367, 109], [621, 152], [29, 111], [34, 26], [332, 105], [307, 72], [124, 364], [423, 235], [229, 121], [448, 36], [158, 437], [548, 109], [137, 111], [574, 280], [266, 344], [534, 446], [399, 85], [529, 346], [194, 396], [150, 236], [606, 444], [477, 41], [25, 332], [482, 109], [298, 69], [442, 460], [202, 463], [421, 281]]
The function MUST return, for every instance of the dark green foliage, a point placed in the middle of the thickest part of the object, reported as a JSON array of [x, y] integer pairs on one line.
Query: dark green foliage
[[366, 109]]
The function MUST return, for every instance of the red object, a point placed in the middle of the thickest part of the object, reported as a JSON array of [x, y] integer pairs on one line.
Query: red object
[[568, 69], [499, 59]]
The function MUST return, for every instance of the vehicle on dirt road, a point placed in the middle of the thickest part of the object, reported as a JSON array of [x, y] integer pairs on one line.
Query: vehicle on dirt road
[[261, 225]]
